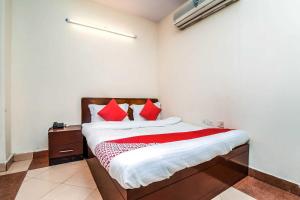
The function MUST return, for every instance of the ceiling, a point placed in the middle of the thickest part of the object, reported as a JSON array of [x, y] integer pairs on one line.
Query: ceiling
[[153, 10]]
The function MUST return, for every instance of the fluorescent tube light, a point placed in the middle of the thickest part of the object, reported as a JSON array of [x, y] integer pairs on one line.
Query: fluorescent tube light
[[101, 29]]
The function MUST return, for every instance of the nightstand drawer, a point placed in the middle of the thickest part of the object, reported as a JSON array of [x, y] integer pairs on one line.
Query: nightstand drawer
[[64, 138], [66, 150]]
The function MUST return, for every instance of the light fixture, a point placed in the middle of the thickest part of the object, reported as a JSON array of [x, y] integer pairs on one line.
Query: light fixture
[[101, 29]]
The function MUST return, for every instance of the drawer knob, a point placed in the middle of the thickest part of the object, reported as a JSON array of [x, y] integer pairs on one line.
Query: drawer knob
[[66, 151]]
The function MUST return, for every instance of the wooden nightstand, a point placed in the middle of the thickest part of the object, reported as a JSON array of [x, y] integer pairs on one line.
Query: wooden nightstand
[[65, 144]]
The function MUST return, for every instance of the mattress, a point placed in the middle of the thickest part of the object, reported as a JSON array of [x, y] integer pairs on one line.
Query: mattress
[[143, 166]]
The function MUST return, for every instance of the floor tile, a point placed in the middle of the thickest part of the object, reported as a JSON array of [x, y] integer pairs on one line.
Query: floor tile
[[19, 166], [95, 195], [39, 162], [234, 194], [10, 184], [40, 159], [2, 173], [262, 191], [68, 192], [82, 178], [35, 172], [217, 198], [81, 163], [27, 178], [59, 173], [34, 189]]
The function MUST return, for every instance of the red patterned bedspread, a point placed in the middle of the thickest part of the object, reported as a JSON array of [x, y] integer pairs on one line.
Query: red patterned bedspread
[[106, 151]]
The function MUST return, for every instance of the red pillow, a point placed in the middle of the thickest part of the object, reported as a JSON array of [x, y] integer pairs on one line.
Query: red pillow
[[112, 112], [150, 111]]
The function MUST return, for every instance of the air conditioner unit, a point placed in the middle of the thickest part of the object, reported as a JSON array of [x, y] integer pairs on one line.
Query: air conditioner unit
[[196, 10]]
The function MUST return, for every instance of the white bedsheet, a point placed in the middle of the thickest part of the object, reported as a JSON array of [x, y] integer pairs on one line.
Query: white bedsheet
[[147, 165]]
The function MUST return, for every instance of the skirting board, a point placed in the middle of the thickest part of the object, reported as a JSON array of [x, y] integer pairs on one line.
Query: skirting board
[[4, 166], [23, 156], [275, 181], [29, 155]]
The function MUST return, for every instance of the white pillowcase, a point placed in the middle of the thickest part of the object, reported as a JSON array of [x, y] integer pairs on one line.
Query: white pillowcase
[[137, 110], [95, 108]]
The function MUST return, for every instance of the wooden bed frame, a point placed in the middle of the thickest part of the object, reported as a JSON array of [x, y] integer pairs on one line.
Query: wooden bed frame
[[202, 182]]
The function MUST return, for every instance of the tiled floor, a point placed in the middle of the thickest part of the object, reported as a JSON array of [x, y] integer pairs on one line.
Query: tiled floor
[[10, 184], [233, 194], [261, 190], [20, 166], [40, 159], [74, 181], [61, 182]]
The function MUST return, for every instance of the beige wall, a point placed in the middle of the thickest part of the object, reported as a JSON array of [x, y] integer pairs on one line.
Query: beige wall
[[242, 66], [7, 44], [5, 33], [55, 64], [2, 86]]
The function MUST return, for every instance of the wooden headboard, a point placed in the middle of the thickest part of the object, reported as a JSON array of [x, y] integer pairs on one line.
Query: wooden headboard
[[85, 111]]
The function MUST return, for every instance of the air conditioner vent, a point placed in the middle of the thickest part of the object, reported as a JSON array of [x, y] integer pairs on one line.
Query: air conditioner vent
[[189, 13]]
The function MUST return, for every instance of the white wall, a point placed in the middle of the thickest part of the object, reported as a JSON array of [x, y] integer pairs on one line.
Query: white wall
[[7, 79], [242, 66], [5, 33], [55, 64], [2, 85]]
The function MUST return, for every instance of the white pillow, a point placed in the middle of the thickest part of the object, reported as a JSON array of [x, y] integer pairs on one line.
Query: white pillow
[[95, 108], [137, 110]]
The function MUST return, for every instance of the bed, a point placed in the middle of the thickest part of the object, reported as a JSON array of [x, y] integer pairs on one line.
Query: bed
[[189, 181]]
